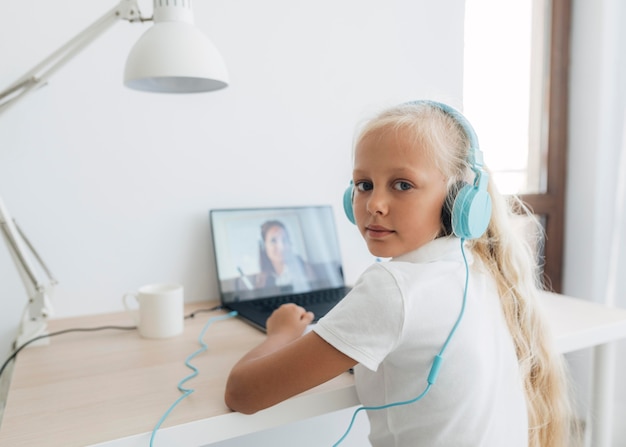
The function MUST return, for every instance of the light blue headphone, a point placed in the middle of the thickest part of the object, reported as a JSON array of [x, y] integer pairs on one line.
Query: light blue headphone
[[471, 210]]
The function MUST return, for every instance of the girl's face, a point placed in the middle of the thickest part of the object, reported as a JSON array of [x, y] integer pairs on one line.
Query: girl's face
[[399, 194]]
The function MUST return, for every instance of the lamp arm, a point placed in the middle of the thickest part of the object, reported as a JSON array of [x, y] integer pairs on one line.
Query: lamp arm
[[39, 309], [15, 238], [39, 75]]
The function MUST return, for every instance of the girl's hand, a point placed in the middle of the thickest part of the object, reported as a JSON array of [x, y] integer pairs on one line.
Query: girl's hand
[[289, 320]]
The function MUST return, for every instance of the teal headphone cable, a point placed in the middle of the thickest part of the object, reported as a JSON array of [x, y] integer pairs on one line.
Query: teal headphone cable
[[434, 370], [186, 391]]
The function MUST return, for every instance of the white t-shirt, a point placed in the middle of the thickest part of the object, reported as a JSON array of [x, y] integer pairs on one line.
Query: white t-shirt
[[396, 320]]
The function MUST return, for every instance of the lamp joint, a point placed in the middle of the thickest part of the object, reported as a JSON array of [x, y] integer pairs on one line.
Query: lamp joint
[[129, 10]]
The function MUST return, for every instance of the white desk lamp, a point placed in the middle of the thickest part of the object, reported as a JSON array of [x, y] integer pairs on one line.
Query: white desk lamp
[[173, 56]]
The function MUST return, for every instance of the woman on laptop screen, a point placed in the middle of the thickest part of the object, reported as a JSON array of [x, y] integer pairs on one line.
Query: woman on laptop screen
[[447, 339], [280, 266]]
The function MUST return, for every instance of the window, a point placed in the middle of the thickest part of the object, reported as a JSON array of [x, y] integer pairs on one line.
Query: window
[[515, 85]]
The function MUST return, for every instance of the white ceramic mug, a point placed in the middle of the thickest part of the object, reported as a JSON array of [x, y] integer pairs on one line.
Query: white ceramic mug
[[160, 311]]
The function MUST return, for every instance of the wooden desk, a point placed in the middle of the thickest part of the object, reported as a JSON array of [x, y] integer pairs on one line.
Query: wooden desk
[[110, 388], [90, 388]]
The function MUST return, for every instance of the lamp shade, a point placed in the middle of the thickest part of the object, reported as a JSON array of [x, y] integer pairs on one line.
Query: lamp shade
[[175, 57]]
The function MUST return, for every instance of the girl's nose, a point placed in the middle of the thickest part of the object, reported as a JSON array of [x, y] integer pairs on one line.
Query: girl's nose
[[377, 203]]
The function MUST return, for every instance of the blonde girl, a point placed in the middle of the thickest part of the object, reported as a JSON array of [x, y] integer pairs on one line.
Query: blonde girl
[[447, 339]]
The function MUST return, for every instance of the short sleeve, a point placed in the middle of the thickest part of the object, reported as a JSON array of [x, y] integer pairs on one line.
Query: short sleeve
[[366, 325]]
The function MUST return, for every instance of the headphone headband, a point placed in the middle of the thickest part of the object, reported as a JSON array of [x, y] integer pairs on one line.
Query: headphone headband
[[475, 155]]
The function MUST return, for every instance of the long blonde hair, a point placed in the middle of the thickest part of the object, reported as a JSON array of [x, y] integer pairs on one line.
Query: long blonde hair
[[509, 257]]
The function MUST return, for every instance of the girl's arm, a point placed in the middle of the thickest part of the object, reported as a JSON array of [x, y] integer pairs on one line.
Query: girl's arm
[[284, 365]]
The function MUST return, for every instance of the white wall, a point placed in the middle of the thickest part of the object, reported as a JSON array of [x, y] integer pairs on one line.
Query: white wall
[[114, 186], [597, 106]]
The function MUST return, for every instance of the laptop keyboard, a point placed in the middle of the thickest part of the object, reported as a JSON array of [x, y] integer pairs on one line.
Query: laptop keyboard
[[309, 300]]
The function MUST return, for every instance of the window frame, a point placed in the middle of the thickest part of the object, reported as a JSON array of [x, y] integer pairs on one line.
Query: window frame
[[550, 206]]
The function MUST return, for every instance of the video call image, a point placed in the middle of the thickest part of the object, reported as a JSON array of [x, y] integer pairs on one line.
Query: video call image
[[262, 253]]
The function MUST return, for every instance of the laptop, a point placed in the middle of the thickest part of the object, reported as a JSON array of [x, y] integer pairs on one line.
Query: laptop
[[266, 257]]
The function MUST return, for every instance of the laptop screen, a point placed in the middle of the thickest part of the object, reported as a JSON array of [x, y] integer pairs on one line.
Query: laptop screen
[[266, 252]]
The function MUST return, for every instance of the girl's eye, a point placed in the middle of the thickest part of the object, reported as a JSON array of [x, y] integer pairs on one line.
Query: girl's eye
[[402, 186], [364, 186]]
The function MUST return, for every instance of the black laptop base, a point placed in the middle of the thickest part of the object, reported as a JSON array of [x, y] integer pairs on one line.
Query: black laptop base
[[257, 311]]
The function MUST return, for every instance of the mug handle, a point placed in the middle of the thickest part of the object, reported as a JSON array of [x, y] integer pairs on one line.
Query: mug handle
[[132, 311]]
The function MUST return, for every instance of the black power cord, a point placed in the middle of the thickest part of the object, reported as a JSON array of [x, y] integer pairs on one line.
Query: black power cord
[[93, 329]]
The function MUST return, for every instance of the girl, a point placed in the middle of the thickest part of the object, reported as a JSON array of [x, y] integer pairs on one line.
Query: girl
[[458, 311]]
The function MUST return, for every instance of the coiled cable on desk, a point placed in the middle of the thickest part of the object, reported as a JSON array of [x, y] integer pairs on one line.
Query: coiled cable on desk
[[187, 391]]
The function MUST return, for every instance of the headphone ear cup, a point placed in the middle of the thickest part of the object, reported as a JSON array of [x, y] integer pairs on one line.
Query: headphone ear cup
[[347, 203], [471, 212]]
